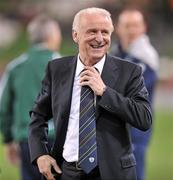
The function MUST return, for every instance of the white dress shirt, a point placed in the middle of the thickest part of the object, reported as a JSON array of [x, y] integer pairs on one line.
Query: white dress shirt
[[71, 145]]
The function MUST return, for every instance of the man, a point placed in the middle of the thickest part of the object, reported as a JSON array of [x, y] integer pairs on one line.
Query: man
[[92, 140], [20, 84], [134, 46]]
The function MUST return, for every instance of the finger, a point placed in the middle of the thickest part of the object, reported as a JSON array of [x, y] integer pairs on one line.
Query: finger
[[49, 176], [56, 167], [86, 72], [92, 79], [85, 83], [47, 173], [94, 70], [91, 68], [84, 78]]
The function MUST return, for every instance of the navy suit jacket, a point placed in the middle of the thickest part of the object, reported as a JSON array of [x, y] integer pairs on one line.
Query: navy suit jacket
[[124, 102]]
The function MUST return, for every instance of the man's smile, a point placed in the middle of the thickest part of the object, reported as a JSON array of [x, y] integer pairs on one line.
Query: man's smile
[[97, 46]]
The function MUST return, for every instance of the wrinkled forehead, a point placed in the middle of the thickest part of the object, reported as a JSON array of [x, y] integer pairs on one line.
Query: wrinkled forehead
[[95, 19], [95, 16]]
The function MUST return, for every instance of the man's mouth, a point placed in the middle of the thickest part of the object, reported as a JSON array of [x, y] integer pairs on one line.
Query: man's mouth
[[97, 46]]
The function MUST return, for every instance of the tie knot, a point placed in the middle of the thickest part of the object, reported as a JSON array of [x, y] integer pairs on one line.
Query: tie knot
[[94, 68]]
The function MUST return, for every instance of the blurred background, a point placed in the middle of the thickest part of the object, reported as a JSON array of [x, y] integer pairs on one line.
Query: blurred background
[[14, 16]]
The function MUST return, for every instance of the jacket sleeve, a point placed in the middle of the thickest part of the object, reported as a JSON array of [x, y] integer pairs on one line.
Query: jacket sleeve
[[133, 107], [40, 114], [6, 107]]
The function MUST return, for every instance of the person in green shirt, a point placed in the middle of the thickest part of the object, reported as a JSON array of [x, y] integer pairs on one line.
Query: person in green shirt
[[20, 84]]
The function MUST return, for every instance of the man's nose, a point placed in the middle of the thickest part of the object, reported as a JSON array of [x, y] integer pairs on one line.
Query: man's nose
[[99, 37]]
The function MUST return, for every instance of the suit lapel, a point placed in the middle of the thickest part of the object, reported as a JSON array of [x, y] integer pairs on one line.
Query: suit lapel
[[109, 75], [67, 86], [110, 70]]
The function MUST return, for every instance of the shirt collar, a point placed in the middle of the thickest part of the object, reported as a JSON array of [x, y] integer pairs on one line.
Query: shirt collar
[[80, 66]]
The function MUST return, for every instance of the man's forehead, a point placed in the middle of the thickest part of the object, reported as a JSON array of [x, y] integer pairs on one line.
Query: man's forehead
[[95, 19], [95, 16]]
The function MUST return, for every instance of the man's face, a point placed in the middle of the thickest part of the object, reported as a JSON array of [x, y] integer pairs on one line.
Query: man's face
[[130, 26], [93, 36]]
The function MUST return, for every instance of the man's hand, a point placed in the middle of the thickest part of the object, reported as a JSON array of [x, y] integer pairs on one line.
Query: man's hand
[[45, 163], [12, 153], [91, 77]]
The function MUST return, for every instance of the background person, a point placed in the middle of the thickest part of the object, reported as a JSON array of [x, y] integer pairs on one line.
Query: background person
[[134, 45], [20, 84], [120, 98]]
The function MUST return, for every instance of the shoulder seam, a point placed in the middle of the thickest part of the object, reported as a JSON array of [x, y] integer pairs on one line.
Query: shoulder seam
[[19, 60]]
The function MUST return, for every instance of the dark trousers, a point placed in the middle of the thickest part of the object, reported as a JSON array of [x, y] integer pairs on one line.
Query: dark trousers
[[71, 172]]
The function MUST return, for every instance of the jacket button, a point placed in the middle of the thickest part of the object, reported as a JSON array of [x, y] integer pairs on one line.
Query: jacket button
[[107, 106]]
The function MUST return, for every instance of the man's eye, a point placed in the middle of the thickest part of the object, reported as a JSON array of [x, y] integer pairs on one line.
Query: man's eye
[[105, 32], [92, 32]]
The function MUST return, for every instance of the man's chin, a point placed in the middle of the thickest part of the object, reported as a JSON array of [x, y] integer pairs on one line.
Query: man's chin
[[98, 53], [97, 56]]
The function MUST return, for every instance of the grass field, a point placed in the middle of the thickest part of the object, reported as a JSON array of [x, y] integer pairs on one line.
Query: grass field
[[159, 157], [160, 152]]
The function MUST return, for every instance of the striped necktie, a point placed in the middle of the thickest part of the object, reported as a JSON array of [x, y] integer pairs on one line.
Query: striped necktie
[[87, 131]]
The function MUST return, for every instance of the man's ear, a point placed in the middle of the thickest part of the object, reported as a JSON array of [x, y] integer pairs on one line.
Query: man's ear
[[74, 35]]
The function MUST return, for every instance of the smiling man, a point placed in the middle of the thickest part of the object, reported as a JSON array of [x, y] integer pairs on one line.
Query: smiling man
[[92, 97]]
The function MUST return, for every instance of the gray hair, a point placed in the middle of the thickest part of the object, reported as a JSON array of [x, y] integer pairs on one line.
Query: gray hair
[[91, 10], [39, 29]]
